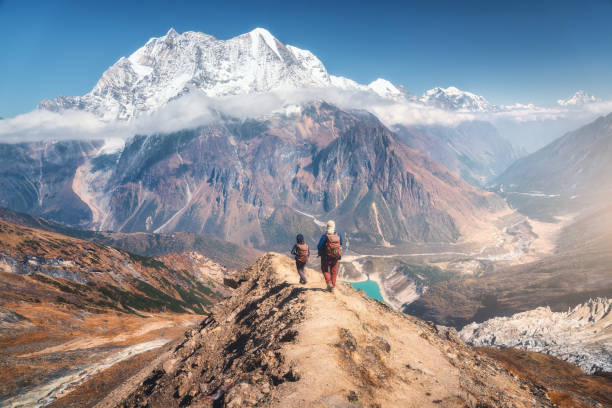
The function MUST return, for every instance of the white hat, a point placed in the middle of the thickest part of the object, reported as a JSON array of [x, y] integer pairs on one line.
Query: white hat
[[331, 227]]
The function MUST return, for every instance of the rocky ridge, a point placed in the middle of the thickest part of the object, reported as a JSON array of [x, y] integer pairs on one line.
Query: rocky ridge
[[582, 335], [269, 344]]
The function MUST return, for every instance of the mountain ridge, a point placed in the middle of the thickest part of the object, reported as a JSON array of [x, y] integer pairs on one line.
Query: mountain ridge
[[173, 65], [303, 331]]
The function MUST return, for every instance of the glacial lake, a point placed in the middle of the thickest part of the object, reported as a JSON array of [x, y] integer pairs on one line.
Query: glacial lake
[[370, 288]]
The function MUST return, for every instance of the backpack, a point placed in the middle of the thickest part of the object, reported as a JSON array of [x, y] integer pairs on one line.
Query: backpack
[[333, 249], [301, 253]]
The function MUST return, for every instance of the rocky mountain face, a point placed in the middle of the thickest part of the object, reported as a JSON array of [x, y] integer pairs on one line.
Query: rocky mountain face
[[255, 182], [568, 174], [268, 345], [473, 150], [580, 335], [245, 181], [37, 178]]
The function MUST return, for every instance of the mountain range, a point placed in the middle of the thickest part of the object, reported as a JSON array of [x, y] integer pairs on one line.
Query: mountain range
[[251, 182], [173, 65], [254, 180], [566, 176]]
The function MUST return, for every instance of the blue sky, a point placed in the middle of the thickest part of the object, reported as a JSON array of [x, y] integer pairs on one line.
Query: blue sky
[[534, 51]]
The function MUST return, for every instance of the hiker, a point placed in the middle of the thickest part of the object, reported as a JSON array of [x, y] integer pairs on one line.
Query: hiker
[[330, 251], [302, 253]]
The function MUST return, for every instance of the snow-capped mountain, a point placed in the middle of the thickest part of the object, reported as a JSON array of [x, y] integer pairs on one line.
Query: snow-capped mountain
[[578, 99], [387, 90], [455, 99], [173, 65]]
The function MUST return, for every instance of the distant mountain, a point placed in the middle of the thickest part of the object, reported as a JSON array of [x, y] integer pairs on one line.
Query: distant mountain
[[227, 254], [578, 99], [253, 182], [257, 182], [473, 150], [173, 65], [387, 90], [454, 99], [567, 174]]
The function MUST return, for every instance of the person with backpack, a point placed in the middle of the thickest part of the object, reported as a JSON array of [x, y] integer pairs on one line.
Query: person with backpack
[[330, 251], [302, 253]]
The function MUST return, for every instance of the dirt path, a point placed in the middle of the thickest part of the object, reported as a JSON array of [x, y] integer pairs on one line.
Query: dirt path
[[348, 340]]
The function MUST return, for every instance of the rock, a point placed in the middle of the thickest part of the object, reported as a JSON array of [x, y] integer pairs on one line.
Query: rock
[[581, 335]]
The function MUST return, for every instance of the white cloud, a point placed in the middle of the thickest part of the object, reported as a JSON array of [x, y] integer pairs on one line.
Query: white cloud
[[196, 109]]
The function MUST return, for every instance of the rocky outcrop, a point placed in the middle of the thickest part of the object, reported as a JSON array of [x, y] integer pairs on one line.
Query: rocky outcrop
[[277, 344], [582, 335]]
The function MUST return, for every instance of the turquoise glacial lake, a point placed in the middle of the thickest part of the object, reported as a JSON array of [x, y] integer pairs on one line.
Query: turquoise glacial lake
[[370, 288]]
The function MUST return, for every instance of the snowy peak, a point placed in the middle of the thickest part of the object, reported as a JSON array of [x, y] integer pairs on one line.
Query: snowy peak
[[386, 89], [176, 64], [261, 34], [172, 33], [578, 99], [455, 99]]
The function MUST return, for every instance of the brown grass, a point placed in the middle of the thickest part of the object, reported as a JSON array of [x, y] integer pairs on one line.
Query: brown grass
[[566, 384]]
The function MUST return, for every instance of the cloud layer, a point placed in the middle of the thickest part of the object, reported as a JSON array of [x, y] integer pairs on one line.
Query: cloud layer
[[196, 109]]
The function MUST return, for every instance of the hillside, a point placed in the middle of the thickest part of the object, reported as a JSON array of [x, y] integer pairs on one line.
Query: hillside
[[473, 150], [277, 344], [230, 255], [567, 175], [70, 308]]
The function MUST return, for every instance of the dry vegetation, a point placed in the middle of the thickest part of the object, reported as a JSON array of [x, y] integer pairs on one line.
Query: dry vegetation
[[565, 384]]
